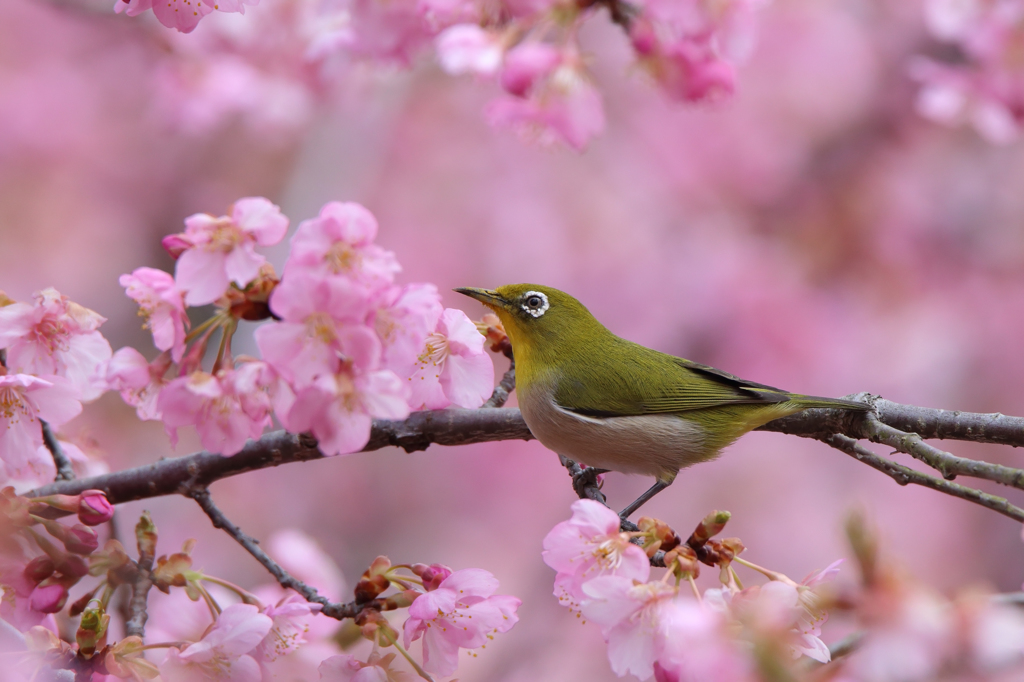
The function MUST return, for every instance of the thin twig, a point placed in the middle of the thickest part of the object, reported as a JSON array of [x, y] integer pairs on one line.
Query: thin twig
[[137, 606], [60, 460], [904, 475], [338, 611], [950, 466]]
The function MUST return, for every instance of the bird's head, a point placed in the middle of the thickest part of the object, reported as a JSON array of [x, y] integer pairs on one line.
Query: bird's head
[[537, 318]]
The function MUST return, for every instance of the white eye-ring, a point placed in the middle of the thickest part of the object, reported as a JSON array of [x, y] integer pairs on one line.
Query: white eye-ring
[[535, 303]]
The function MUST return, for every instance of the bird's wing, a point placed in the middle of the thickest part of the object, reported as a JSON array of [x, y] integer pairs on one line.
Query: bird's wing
[[655, 383]]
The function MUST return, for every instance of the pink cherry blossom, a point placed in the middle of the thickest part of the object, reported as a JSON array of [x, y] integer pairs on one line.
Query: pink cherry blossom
[[526, 63], [453, 368], [347, 668], [55, 336], [183, 15], [162, 305], [631, 616], [589, 545], [213, 404], [698, 646], [339, 243], [290, 618], [338, 409], [223, 653], [462, 613], [138, 381], [468, 48], [564, 108], [407, 315], [223, 249], [24, 400], [322, 326]]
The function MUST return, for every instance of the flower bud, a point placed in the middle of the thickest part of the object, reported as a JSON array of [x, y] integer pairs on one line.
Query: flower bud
[[92, 632], [48, 597], [402, 600], [72, 566], [80, 539], [146, 535], [39, 569], [93, 508], [369, 589], [176, 244], [525, 64], [432, 575], [710, 526]]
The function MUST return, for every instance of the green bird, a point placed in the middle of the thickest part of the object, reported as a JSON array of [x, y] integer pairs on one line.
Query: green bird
[[615, 405]]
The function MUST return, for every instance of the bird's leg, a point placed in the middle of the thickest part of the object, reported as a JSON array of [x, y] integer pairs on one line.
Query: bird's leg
[[658, 486]]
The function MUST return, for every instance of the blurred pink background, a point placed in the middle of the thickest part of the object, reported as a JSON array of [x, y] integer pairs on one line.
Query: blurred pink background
[[812, 233]]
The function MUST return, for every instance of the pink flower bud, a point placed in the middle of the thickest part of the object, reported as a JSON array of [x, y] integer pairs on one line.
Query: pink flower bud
[[93, 508], [176, 244], [525, 64], [72, 566], [48, 598], [432, 575], [80, 540], [39, 569]]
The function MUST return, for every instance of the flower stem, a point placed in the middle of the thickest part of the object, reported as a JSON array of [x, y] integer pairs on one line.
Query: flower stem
[[247, 597], [416, 666], [771, 575]]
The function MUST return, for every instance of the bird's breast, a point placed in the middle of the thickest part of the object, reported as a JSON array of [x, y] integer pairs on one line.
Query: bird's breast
[[653, 445]]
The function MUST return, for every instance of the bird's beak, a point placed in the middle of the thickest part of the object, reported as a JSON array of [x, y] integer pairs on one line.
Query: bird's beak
[[490, 298]]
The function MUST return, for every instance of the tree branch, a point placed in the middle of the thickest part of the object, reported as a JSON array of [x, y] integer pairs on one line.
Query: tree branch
[[904, 475], [460, 427], [60, 460]]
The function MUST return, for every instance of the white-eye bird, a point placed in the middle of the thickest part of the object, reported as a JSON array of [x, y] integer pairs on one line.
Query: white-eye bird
[[613, 404]]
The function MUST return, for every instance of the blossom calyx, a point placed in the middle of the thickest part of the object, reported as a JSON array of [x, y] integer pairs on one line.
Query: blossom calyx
[[402, 600], [683, 561], [94, 508], [113, 561], [125, 660], [170, 571], [659, 535]]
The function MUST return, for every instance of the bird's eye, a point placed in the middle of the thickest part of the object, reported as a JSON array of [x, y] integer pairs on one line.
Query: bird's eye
[[535, 303]]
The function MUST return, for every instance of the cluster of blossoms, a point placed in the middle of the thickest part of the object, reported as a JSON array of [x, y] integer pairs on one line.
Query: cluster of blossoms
[[531, 49], [346, 343], [986, 88], [245, 636], [664, 628]]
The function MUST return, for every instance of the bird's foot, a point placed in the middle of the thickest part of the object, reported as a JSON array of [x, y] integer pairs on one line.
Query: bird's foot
[[585, 482]]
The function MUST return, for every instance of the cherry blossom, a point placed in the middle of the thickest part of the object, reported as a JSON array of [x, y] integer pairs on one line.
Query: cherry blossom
[[347, 668], [589, 545], [222, 250], [321, 326], [213, 404], [183, 15], [406, 316], [630, 615], [138, 381], [462, 613], [564, 107], [339, 243], [24, 400], [453, 368], [526, 63], [223, 652], [162, 305], [468, 48], [698, 646], [339, 408], [290, 618], [53, 335]]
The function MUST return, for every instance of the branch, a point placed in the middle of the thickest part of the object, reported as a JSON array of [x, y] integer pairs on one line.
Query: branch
[[460, 427], [60, 460], [904, 475], [136, 623], [338, 611]]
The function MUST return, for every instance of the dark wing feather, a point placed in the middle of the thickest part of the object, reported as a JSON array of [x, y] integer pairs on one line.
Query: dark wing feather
[[636, 380]]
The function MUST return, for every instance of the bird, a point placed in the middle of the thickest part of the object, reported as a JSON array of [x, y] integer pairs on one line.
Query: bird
[[615, 405]]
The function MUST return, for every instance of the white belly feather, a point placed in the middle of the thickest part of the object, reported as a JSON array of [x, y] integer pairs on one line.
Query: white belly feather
[[653, 445]]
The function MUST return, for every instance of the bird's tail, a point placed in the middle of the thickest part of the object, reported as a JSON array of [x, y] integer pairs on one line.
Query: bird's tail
[[810, 401]]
